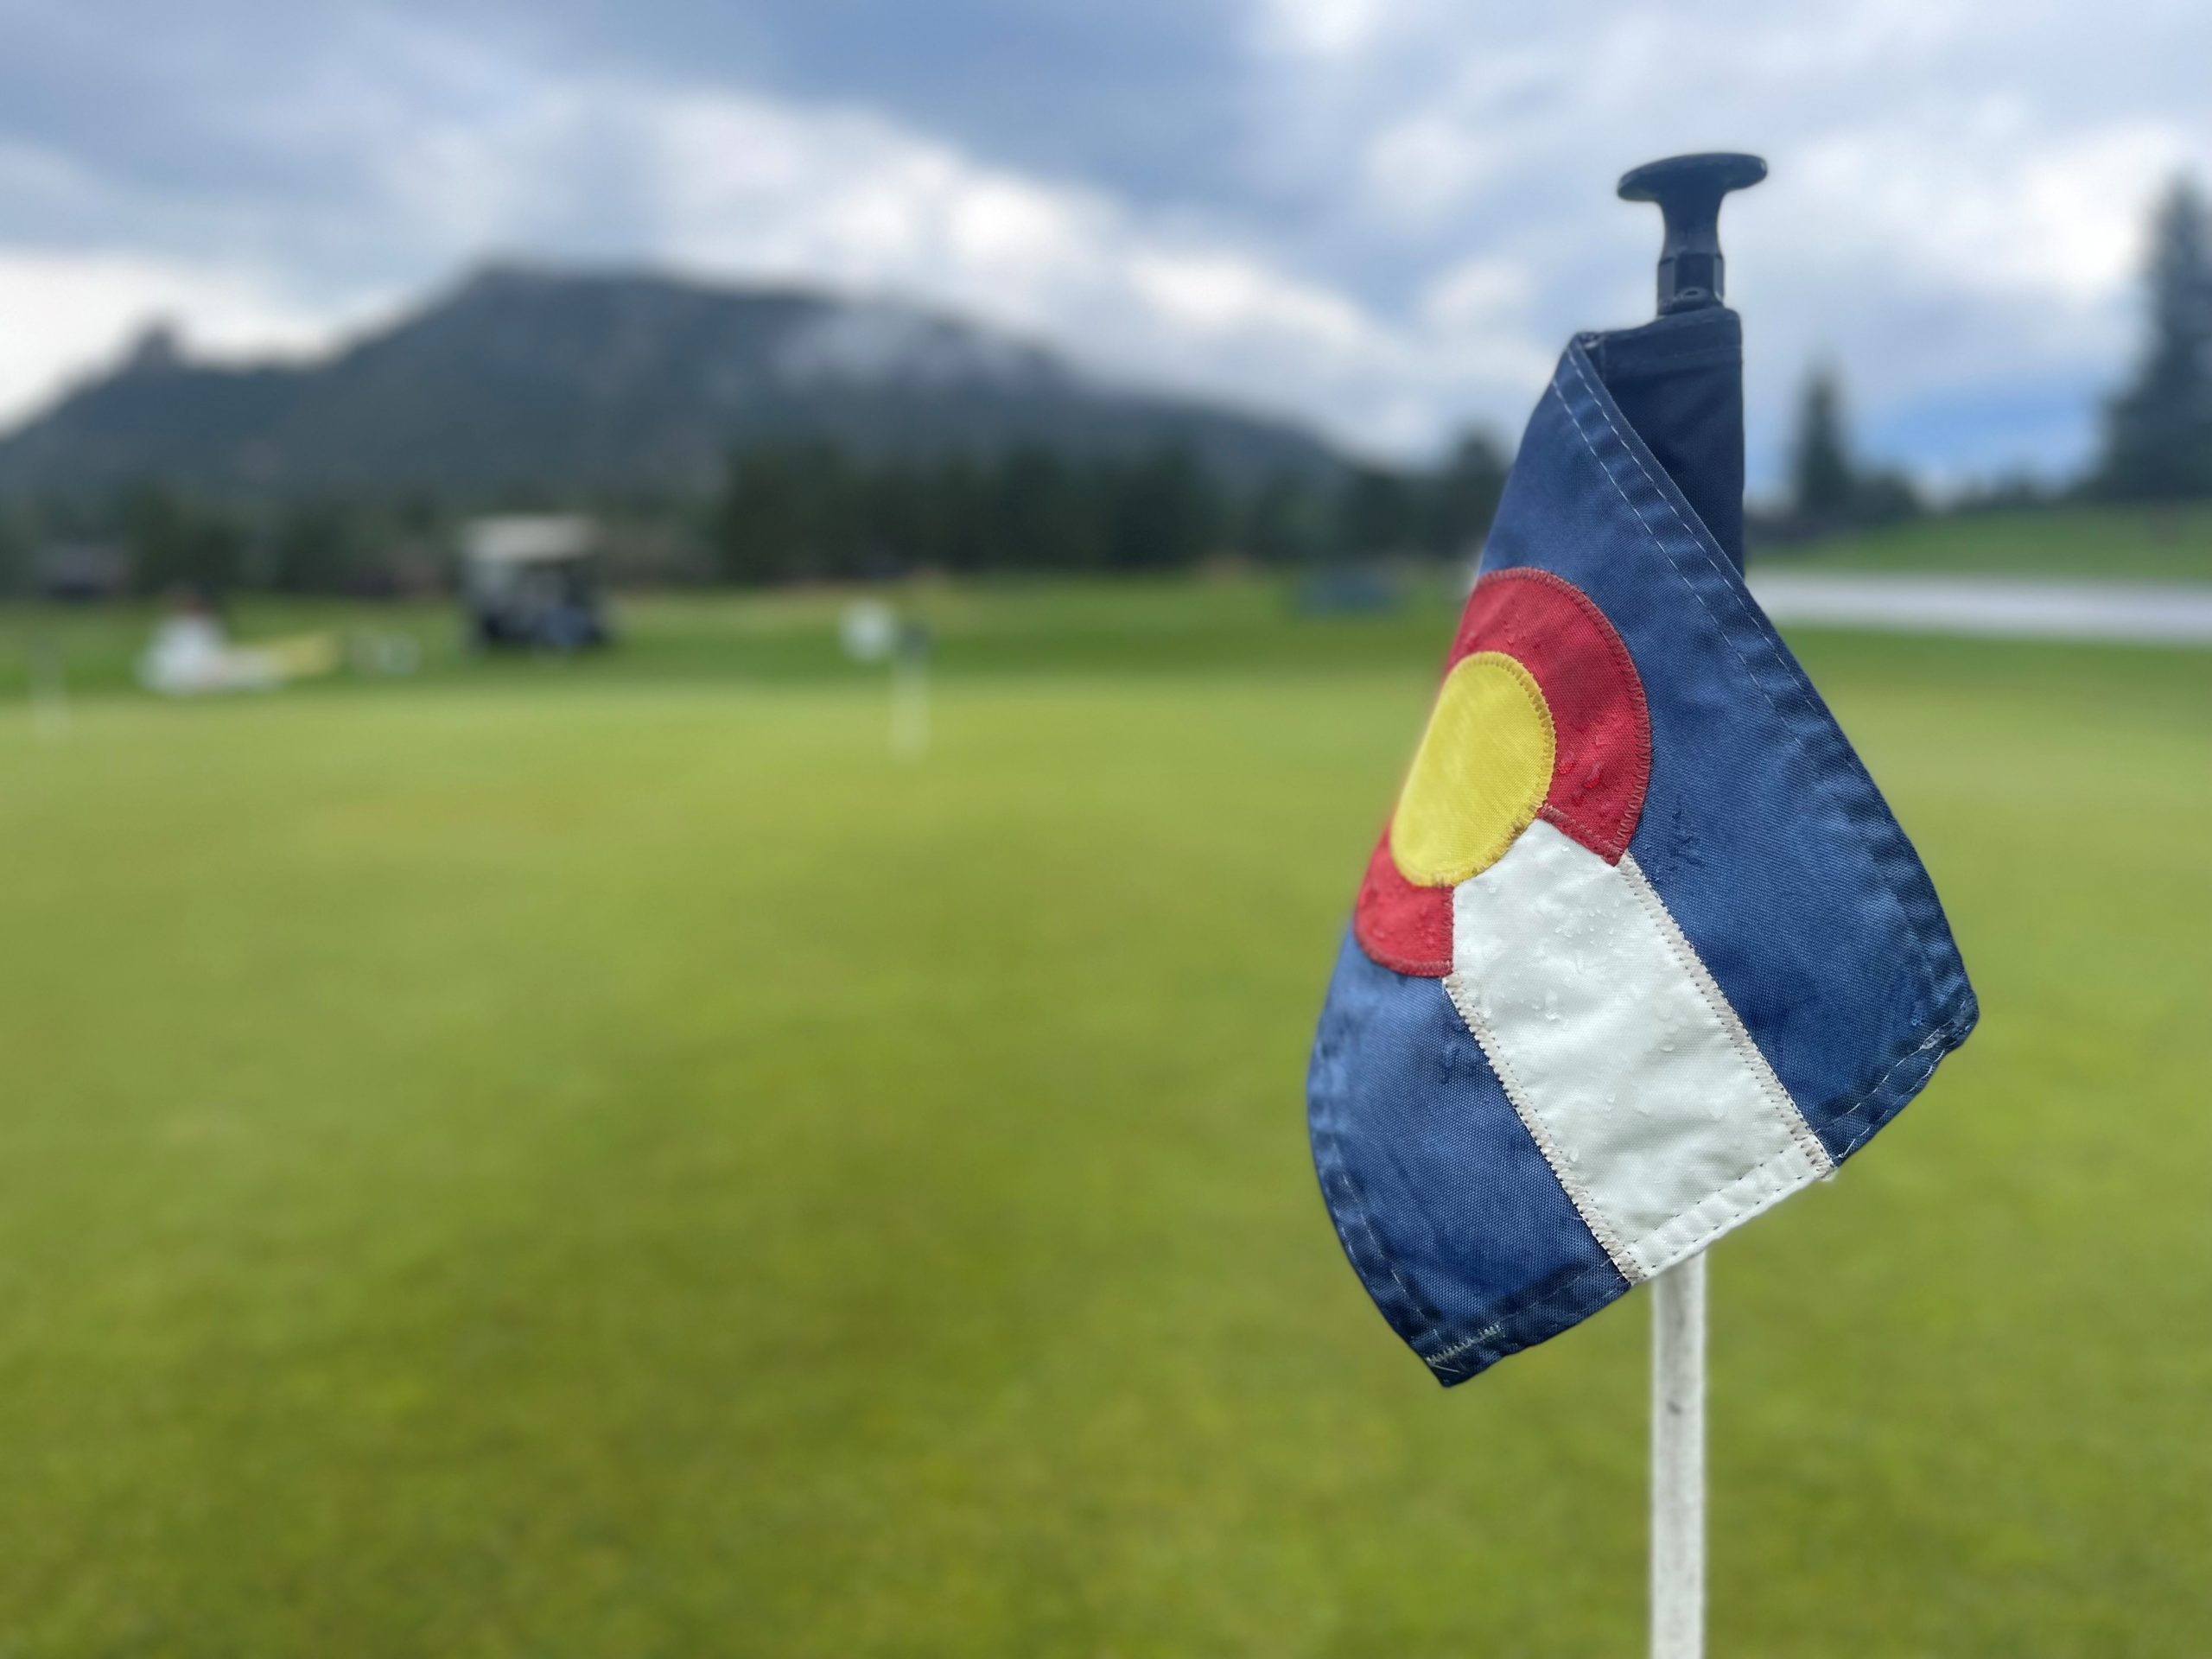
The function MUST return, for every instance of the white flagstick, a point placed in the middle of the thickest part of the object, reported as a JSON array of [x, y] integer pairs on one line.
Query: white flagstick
[[1678, 1461], [49, 690], [910, 695]]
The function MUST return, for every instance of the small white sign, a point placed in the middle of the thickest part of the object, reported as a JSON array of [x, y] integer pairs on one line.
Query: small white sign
[[870, 630]]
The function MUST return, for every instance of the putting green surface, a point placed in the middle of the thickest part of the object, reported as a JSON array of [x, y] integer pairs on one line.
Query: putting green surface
[[597, 1163], [2166, 543]]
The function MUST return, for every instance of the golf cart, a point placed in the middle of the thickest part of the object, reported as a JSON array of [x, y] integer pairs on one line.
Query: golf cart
[[531, 581]]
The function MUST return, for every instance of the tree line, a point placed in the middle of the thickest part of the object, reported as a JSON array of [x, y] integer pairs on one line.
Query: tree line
[[150, 538], [799, 512], [809, 511], [2155, 444]]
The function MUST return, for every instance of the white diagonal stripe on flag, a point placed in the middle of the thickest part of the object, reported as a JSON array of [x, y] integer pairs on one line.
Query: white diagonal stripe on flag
[[1660, 1116]]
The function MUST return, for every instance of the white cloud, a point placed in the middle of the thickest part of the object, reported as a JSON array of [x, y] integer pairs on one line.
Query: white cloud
[[1979, 201], [746, 185], [739, 187], [1956, 210], [77, 310], [1486, 292], [1322, 28]]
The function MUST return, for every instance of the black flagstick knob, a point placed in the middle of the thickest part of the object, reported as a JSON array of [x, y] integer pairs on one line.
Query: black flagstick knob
[[1688, 189]]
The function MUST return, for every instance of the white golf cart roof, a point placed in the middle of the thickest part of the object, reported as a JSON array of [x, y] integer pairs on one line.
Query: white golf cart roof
[[522, 538]]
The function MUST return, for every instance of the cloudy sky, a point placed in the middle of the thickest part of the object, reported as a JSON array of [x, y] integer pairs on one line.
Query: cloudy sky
[[1383, 216]]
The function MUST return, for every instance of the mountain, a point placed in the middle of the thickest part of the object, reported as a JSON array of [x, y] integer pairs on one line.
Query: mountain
[[549, 383]]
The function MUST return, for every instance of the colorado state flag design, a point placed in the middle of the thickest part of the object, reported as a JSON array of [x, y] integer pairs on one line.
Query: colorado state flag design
[[1640, 951]]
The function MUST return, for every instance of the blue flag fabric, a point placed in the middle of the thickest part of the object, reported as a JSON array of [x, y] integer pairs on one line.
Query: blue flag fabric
[[1642, 950]]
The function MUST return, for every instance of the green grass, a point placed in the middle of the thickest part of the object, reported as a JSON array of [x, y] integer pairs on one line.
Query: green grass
[[2117, 544], [1024, 625], [598, 1160], [1013, 626]]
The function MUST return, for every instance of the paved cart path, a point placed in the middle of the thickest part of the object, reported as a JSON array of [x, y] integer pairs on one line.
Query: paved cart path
[[2141, 612]]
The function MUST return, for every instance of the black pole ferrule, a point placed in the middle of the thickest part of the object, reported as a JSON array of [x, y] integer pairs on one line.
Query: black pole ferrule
[[1689, 190]]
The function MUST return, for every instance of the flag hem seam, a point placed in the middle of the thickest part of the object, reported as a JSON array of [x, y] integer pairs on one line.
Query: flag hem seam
[[1727, 634]]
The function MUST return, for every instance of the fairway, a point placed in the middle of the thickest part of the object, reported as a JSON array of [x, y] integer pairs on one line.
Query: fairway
[[600, 1160]]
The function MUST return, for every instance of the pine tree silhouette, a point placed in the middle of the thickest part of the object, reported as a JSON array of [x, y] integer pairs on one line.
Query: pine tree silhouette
[[2159, 429], [1824, 485]]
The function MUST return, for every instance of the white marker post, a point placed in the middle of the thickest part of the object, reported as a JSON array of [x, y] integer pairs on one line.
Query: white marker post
[[872, 633], [1678, 1461], [49, 687], [910, 694]]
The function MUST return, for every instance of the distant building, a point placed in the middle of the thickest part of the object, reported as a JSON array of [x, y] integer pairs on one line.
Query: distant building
[[82, 571], [533, 580]]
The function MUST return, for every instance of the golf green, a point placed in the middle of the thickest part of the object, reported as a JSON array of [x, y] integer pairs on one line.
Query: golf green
[[581, 1162]]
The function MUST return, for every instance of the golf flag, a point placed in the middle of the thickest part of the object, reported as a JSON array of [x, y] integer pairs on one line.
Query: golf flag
[[1640, 951]]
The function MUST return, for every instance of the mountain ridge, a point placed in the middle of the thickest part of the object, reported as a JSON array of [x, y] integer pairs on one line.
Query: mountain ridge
[[535, 381]]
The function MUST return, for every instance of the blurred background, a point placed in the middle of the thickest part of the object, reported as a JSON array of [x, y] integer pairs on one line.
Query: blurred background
[[689, 698]]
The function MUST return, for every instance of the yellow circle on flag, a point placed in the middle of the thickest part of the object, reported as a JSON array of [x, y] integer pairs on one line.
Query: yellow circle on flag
[[1480, 776]]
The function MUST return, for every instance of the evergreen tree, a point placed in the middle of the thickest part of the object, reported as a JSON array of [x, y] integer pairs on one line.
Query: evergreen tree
[[1044, 521], [1824, 486], [174, 545], [754, 527], [959, 515], [1285, 522], [2158, 430], [16, 576], [809, 511], [1162, 511], [1466, 494], [1377, 513], [790, 511], [313, 547]]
